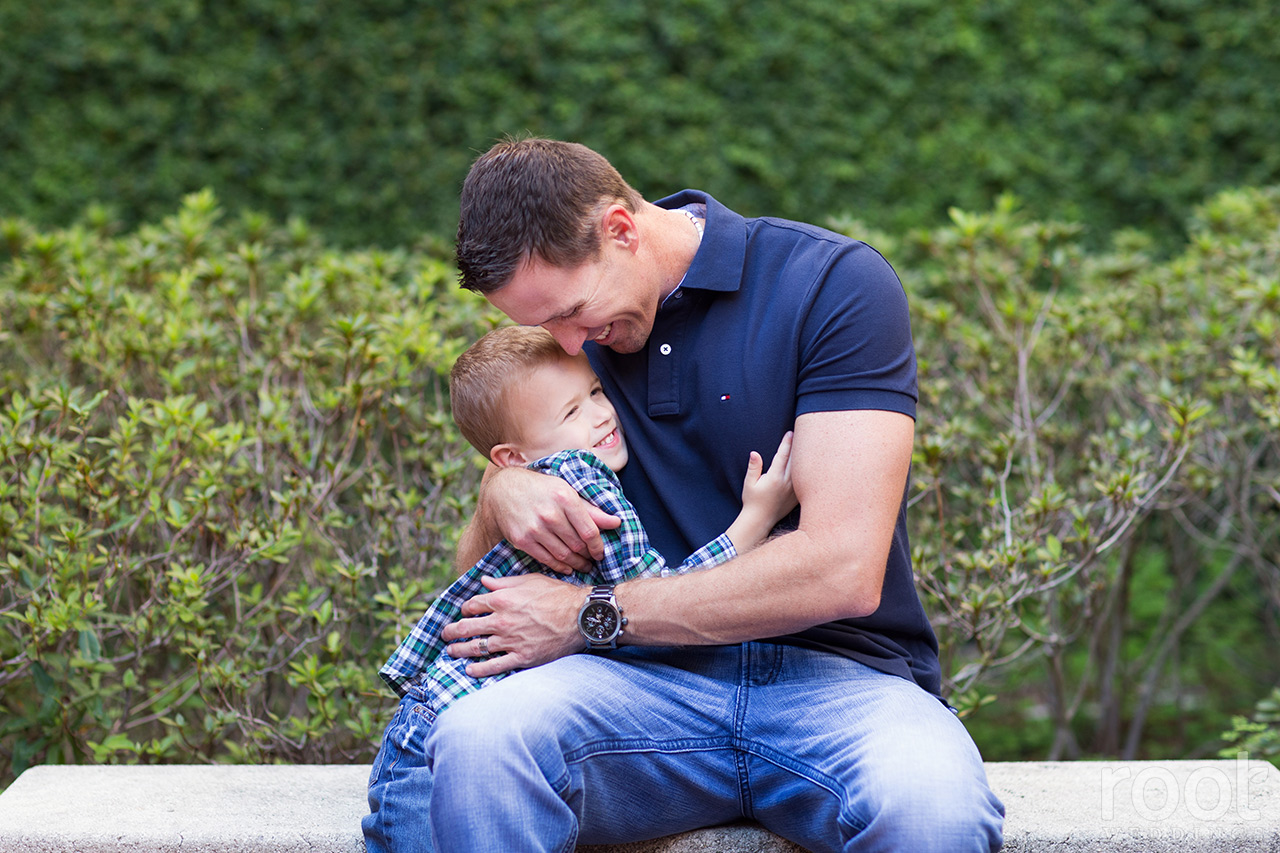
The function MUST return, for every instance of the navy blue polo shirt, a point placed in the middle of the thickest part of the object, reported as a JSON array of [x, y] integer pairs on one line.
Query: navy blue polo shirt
[[774, 319]]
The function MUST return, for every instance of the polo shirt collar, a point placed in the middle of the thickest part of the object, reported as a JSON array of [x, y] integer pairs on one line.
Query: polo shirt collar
[[719, 261]]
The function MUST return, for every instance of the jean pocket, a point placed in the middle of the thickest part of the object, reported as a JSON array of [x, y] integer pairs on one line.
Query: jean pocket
[[403, 742]]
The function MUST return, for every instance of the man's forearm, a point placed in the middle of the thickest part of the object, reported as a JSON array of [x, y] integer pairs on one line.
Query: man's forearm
[[473, 544], [786, 585], [480, 534]]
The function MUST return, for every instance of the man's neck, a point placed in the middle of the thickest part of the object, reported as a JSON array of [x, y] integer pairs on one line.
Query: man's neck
[[676, 238]]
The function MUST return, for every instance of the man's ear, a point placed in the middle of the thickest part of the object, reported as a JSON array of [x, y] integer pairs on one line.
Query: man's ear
[[507, 456], [620, 227]]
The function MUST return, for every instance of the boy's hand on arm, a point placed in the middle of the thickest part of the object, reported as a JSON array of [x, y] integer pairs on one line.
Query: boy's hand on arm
[[542, 516], [767, 497]]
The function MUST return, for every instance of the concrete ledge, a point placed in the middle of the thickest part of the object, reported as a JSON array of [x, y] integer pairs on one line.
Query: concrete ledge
[[193, 809], [744, 837], [1180, 806], [1139, 806]]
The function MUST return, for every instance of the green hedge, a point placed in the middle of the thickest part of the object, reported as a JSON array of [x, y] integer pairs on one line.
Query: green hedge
[[1096, 520], [363, 117], [229, 481]]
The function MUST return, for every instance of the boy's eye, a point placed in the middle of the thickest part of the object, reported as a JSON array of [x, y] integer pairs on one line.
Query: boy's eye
[[571, 413]]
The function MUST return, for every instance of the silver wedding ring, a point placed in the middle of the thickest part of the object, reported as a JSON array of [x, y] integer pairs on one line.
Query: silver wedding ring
[[484, 645]]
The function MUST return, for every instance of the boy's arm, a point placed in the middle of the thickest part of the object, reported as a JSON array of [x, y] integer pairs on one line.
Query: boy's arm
[[627, 551], [767, 497]]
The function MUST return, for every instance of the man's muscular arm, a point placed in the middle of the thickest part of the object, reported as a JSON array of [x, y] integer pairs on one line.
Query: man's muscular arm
[[542, 516], [849, 470]]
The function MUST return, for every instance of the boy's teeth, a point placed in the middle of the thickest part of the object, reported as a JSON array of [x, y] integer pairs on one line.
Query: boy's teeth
[[605, 333]]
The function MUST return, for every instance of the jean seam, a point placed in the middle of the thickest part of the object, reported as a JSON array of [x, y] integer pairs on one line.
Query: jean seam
[[561, 788], [742, 699], [615, 747], [809, 774], [407, 726], [388, 767]]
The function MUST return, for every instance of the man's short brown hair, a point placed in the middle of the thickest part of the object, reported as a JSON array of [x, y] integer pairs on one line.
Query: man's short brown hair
[[533, 198], [482, 377]]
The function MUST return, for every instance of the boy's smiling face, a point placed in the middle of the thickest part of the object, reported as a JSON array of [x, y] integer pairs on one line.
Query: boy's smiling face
[[561, 406]]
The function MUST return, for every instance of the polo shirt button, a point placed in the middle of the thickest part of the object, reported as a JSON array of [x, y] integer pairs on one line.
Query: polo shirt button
[[665, 349]]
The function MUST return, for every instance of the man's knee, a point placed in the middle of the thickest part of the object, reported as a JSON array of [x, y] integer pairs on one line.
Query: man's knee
[[490, 728], [942, 809]]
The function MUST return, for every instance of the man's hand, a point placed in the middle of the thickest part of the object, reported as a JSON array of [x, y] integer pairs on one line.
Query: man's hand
[[542, 516], [527, 620]]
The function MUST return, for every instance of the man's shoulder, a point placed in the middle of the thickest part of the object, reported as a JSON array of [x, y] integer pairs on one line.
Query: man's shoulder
[[794, 229]]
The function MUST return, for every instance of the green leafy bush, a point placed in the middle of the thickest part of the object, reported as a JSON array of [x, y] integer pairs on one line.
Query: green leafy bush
[[228, 481], [1079, 412], [1259, 736], [363, 116]]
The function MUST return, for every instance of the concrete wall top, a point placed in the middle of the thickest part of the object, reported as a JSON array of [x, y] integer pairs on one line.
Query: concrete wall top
[[1117, 807]]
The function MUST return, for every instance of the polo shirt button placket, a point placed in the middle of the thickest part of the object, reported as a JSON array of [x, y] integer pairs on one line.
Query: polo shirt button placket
[[664, 363]]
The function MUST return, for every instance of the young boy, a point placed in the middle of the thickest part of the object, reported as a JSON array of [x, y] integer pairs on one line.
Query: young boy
[[520, 400]]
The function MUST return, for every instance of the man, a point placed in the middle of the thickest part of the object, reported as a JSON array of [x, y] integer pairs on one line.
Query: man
[[796, 685]]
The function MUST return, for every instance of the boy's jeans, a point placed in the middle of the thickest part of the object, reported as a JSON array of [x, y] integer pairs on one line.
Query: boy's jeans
[[639, 743]]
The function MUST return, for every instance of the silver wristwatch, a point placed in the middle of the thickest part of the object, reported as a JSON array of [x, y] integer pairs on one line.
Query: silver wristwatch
[[600, 621]]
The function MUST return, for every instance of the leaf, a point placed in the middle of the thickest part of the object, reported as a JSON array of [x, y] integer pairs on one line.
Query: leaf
[[45, 685], [90, 647]]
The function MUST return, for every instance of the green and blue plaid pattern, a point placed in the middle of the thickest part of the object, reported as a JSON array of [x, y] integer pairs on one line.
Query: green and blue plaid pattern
[[422, 665]]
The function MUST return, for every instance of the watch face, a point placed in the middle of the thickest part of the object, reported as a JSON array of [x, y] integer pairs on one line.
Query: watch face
[[599, 621]]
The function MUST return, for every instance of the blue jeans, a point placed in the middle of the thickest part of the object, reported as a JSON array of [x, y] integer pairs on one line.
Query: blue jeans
[[640, 743]]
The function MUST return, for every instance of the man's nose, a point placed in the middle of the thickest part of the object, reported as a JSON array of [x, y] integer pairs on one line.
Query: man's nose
[[570, 338]]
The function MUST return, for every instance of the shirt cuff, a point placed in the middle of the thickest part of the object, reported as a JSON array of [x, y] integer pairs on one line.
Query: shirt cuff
[[719, 550]]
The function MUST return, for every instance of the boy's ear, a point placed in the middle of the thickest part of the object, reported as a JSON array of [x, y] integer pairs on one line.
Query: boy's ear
[[507, 456]]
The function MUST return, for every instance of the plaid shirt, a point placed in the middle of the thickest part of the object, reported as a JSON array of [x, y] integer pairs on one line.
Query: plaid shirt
[[422, 665]]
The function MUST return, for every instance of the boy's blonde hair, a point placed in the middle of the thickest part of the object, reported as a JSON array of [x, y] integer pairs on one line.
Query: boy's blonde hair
[[482, 376]]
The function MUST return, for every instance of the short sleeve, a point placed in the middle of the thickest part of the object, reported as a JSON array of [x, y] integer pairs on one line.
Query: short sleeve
[[857, 351]]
